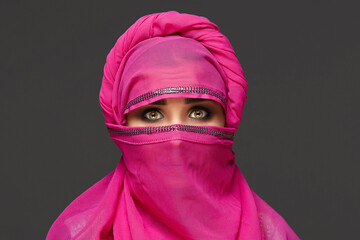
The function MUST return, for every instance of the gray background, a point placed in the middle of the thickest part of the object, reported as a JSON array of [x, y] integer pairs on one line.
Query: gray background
[[297, 145]]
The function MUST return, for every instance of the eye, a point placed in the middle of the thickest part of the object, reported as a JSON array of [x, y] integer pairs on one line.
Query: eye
[[198, 114], [153, 115]]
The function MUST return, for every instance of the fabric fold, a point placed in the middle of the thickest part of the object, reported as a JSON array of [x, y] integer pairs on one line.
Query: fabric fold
[[177, 181]]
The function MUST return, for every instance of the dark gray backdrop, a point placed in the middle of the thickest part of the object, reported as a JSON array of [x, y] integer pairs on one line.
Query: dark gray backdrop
[[297, 145]]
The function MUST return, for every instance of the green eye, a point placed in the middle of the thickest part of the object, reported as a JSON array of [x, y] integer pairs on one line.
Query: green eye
[[198, 114], [153, 115]]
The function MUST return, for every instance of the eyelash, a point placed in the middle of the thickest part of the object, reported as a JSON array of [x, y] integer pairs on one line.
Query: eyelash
[[146, 112]]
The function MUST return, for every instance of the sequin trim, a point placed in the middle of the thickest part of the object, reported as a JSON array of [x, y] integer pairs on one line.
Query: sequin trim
[[173, 90], [170, 128]]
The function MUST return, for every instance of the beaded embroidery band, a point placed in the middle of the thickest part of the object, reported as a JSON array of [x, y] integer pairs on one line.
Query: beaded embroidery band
[[169, 128]]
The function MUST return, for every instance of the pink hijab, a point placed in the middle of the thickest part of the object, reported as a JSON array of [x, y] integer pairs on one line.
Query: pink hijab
[[176, 181]]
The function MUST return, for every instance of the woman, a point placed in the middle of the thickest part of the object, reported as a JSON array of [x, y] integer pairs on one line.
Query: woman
[[172, 97]]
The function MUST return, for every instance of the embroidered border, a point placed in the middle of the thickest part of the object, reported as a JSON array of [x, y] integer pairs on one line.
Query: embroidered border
[[169, 128]]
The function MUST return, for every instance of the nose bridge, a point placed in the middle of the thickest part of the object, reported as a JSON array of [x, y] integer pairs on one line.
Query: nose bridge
[[175, 117], [175, 112]]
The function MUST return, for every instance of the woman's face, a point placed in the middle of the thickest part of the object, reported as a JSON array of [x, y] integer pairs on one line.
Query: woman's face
[[187, 111]]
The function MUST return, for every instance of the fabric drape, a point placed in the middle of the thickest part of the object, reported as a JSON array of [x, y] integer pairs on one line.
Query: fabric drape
[[177, 181]]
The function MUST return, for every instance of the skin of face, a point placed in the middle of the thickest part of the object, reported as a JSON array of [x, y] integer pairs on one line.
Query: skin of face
[[186, 111]]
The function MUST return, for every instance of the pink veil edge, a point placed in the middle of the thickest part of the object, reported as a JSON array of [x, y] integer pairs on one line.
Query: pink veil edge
[[273, 225]]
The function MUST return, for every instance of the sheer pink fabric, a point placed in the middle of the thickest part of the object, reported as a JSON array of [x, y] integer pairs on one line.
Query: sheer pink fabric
[[177, 181]]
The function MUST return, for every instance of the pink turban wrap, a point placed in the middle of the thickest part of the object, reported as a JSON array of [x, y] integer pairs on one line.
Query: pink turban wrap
[[176, 181]]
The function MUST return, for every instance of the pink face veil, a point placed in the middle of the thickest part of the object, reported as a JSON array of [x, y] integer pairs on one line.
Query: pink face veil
[[176, 181]]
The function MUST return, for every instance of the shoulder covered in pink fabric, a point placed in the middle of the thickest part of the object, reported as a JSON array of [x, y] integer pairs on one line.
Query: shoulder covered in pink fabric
[[273, 226]]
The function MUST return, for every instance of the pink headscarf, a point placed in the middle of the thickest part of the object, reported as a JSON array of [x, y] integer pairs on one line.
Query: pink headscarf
[[177, 181]]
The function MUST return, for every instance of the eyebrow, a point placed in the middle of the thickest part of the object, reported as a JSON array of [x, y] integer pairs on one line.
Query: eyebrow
[[194, 100], [187, 101], [159, 102]]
